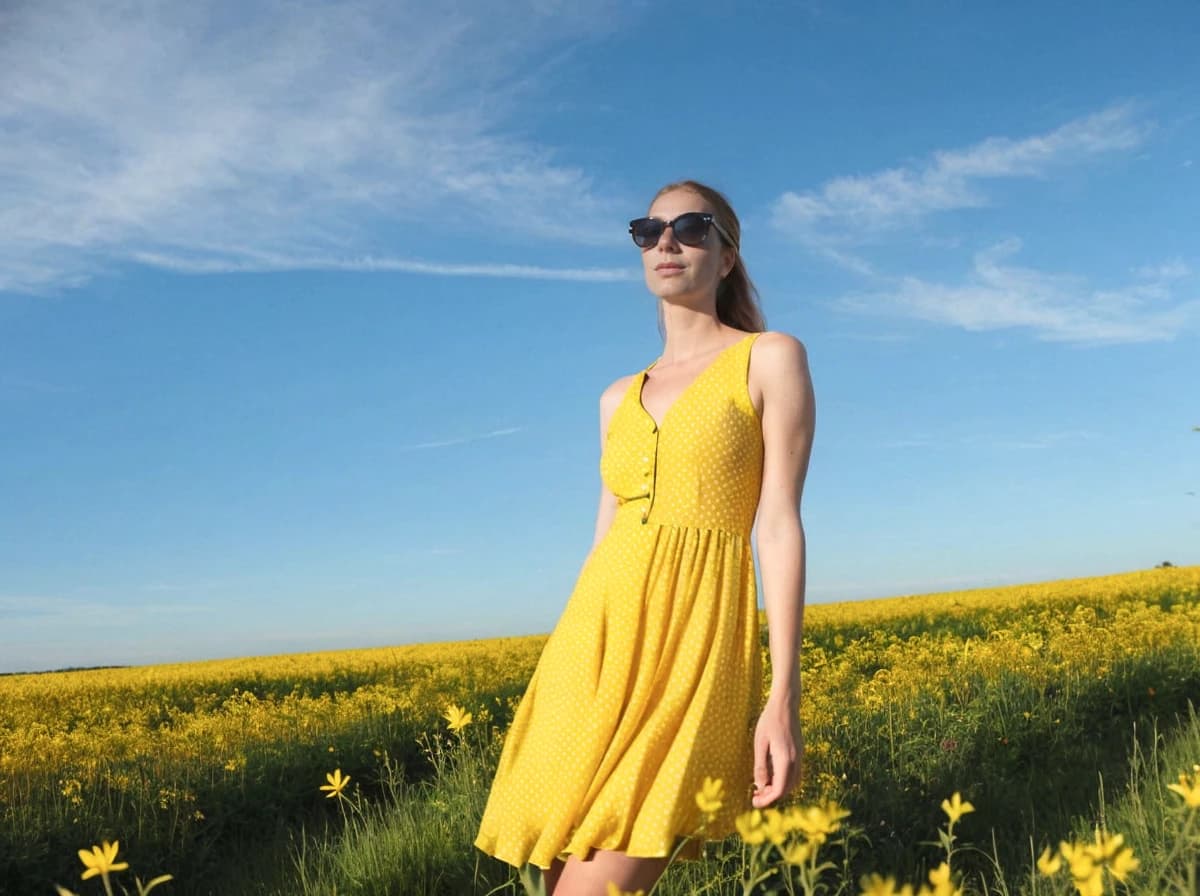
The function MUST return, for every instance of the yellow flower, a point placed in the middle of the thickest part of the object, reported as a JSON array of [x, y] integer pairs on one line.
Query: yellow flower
[[1080, 861], [1105, 846], [99, 860], [1087, 861], [711, 796], [798, 853], [1122, 863], [956, 807], [884, 886], [942, 884], [1092, 885], [750, 827], [816, 822], [457, 718], [1188, 789], [774, 826], [1049, 864], [337, 783], [614, 890]]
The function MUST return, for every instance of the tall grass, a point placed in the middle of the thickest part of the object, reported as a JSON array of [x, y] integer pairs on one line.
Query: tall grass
[[415, 840], [1152, 818]]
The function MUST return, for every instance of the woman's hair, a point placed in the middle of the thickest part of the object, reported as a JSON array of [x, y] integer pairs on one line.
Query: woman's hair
[[737, 299]]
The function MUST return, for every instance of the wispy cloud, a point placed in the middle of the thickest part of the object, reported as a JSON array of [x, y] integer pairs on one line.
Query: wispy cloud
[[853, 210], [1004, 441], [897, 588], [846, 217], [1169, 270], [207, 136], [12, 386], [16, 609], [1054, 307], [442, 443], [274, 262]]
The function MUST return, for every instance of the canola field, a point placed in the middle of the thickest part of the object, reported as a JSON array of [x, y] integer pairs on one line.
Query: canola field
[[1020, 697]]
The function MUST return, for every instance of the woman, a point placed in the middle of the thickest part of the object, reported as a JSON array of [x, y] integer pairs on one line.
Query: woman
[[651, 680]]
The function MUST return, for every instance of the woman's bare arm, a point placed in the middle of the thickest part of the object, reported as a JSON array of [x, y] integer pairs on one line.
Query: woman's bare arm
[[788, 422], [609, 400]]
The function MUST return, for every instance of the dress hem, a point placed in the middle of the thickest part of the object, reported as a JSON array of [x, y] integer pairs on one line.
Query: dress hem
[[688, 853]]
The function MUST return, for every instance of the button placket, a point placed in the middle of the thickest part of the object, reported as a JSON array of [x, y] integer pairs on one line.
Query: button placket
[[649, 470]]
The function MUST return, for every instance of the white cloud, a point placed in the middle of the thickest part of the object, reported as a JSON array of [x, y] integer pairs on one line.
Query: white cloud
[[843, 589], [216, 133], [442, 443], [1170, 270], [18, 609], [854, 210], [848, 213], [992, 440], [276, 262], [1054, 307], [22, 386]]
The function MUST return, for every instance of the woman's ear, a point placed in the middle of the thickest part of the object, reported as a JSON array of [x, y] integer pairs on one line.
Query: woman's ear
[[728, 260]]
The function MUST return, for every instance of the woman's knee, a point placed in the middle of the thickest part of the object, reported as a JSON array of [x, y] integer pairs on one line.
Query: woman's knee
[[591, 876]]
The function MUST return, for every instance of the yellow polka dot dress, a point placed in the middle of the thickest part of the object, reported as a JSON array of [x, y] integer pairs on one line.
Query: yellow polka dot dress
[[651, 679]]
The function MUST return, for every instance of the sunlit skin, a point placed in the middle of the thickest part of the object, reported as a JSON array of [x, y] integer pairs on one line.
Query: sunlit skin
[[685, 279]]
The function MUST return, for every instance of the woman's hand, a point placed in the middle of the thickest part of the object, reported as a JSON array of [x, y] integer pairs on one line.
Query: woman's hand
[[778, 753]]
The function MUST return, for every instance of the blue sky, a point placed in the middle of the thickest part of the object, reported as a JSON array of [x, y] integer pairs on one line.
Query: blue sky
[[305, 311]]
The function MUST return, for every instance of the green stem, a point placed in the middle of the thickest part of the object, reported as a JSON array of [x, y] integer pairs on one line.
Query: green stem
[[674, 853], [1184, 836]]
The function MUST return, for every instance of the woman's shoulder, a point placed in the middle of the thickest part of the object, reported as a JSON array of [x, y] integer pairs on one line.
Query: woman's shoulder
[[778, 358], [615, 391], [779, 345]]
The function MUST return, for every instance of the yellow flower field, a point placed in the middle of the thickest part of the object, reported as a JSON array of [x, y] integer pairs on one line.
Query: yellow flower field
[[923, 690]]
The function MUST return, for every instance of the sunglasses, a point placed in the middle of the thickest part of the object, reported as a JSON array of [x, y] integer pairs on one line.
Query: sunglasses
[[690, 229]]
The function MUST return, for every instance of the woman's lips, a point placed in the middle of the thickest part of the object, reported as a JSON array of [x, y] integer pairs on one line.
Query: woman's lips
[[668, 269]]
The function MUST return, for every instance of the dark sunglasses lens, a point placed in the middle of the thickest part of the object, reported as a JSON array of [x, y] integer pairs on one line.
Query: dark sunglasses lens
[[646, 231], [690, 228]]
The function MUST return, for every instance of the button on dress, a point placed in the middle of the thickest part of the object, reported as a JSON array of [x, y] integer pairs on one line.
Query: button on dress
[[651, 680]]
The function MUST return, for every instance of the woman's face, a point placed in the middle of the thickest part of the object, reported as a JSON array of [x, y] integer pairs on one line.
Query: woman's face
[[674, 270]]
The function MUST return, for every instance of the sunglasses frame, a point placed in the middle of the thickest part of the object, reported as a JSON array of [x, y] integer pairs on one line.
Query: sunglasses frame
[[709, 221]]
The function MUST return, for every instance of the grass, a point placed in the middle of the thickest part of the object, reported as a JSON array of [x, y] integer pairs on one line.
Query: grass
[[416, 840], [1152, 818]]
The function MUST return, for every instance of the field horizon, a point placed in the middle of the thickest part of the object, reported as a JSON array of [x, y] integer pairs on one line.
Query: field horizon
[[438, 643]]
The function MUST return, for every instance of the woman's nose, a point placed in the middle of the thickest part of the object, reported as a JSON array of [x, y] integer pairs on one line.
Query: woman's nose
[[667, 239]]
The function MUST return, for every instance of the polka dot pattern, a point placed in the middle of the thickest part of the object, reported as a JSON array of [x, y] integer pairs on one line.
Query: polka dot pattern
[[651, 679]]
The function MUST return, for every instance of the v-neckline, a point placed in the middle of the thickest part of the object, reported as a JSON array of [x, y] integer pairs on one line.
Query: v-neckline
[[641, 382]]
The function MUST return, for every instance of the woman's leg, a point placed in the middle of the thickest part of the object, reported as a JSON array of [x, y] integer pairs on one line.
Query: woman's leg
[[551, 875], [591, 876]]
